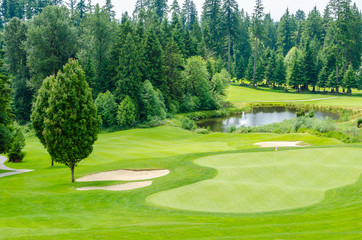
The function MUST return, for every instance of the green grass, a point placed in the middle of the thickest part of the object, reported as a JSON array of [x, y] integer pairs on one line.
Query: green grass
[[4, 171], [267, 181], [241, 95], [43, 204]]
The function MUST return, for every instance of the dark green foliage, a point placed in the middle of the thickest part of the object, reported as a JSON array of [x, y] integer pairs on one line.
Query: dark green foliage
[[126, 115], [16, 59], [350, 80], [96, 40], [280, 72], [220, 82], [107, 108], [15, 152], [153, 56], [39, 108], [359, 123], [50, 43], [173, 65], [187, 123], [70, 120], [286, 28], [196, 83], [153, 106], [129, 78], [5, 113]]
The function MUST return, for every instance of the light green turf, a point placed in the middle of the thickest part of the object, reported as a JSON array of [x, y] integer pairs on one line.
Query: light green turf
[[43, 204], [259, 182], [240, 95]]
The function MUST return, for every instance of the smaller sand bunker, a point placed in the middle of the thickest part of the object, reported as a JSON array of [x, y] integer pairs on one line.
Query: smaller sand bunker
[[119, 187], [124, 175], [282, 144]]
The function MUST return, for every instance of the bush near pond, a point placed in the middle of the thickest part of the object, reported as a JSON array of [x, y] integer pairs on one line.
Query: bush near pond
[[320, 127]]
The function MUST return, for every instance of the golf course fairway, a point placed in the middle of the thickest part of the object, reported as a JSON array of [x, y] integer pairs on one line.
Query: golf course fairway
[[268, 181]]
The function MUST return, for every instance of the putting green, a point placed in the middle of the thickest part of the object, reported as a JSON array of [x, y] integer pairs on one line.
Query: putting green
[[267, 181]]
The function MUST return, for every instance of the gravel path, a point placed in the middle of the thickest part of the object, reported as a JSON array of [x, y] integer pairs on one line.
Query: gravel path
[[14, 171]]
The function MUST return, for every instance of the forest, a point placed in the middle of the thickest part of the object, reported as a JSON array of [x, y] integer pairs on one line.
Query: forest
[[167, 58]]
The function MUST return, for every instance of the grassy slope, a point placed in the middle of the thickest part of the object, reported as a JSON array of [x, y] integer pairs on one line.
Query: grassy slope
[[44, 205], [239, 95], [4, 171], [267, 181]]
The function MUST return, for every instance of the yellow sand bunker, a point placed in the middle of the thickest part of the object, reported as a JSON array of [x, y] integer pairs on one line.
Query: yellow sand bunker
[[119, 187], [281, 144]]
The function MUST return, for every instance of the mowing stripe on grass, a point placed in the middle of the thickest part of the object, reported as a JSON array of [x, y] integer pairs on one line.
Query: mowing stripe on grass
[[266, 181]]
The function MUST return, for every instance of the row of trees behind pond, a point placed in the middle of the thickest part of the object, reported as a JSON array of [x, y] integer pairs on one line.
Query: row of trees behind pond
[[148, 60]]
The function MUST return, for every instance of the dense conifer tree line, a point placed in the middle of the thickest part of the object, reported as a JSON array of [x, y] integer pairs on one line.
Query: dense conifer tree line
[[165, 57]]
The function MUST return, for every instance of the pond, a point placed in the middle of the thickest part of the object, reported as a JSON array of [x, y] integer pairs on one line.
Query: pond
[[257, 117]]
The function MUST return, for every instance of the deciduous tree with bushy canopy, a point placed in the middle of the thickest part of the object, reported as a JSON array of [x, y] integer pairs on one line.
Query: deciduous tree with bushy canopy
[[126, 115], [107, 108], [70, 121], [5, 113]]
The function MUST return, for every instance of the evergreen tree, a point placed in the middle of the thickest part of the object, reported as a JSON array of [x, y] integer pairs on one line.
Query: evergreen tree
[[350, 80], [189, 12], [296, 76], [70, 123], [153, 57], [310, 66], [323, 78], [39, 110], [175, 8], [280, 72], [286, 29], [230, 24], [5, 113], [129, 78], [96, 41], [160, 7], [16, 61], [50, 43], [173, 63], [211, 20], [257, 28], [270, 68], [82, 8], [270, 32], [109, 8]]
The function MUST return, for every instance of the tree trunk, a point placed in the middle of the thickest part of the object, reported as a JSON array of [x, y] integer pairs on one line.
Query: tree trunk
[[72, 169], [229, 43], [255, 55], [52, 162]]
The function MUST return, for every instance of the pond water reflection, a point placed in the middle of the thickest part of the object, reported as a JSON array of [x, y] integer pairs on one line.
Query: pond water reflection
[[257, 117]]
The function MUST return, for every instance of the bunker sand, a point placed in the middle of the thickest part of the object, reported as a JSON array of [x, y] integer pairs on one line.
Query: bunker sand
[[119, 187], [124, 175], [282, 144]]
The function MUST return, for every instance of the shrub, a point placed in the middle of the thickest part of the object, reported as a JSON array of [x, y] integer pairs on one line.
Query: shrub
[[126, 115], [231, 129], [107, 108], [188, 124], [15, 153], [359, 123], [153, 102], [202, 131]]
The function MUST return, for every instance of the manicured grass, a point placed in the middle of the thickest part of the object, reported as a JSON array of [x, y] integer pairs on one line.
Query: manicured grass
[[4, 171], [43, 204], [267, 181], [240, 95]]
